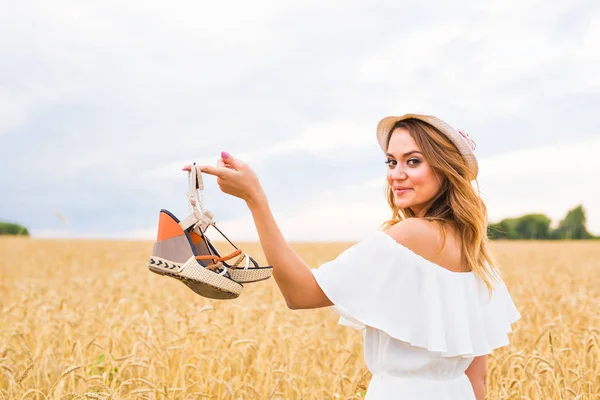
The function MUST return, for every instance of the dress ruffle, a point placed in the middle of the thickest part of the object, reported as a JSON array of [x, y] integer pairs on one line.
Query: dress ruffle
[[382, 284]]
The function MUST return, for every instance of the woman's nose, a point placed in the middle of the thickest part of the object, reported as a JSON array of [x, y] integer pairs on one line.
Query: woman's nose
[[399, 173]]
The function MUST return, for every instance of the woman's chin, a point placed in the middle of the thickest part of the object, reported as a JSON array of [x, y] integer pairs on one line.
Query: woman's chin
[[401, 203]]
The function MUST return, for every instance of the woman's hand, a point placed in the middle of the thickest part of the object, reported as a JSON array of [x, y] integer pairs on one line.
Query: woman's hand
[[293, 276], [234, 177]]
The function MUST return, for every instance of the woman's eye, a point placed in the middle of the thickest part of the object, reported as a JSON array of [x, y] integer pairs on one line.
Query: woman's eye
[[416, 161], [389, 163]]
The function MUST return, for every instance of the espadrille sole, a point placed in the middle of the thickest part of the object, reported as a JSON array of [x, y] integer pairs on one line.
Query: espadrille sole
[[202, 281], [250, 275]]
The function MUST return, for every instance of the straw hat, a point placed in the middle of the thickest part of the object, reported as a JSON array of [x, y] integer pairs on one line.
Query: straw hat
[[461, 140]]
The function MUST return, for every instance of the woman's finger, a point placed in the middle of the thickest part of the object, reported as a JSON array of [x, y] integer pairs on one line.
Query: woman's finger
[[219, 172], [220, 163], [232, 161]]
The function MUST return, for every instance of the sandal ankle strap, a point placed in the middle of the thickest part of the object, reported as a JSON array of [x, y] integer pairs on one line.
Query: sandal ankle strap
[[195, 197], [196, 217], [195, 192]]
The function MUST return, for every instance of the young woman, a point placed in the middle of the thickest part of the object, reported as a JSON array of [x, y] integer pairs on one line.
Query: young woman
[[424, 289]]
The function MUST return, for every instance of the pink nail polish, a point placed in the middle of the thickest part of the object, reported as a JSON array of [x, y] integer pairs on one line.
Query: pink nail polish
[[224, 154]]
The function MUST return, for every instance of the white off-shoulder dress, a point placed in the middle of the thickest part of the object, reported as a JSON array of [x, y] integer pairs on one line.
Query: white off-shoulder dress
[[422, 324]]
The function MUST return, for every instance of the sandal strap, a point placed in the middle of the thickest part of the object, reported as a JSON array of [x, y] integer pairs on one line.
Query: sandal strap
[[214, 225], [230, 256], [196, 201], [237, 252], [195, 192], [217, 259], [217, 265], [206, 219], [239, 261], [208, 257], [195, 197]]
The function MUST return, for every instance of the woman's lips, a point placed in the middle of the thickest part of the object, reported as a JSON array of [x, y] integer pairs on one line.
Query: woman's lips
[[400, 192]]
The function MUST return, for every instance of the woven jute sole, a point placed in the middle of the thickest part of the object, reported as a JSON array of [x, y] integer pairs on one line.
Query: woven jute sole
[[202, 281], [250, 274]]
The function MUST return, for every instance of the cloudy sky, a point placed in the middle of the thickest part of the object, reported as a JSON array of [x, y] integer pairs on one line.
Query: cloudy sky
[[102, 103]]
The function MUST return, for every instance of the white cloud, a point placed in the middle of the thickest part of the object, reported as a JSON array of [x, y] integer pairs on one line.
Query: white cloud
[[586, 57], [12, 113], [108, 96], [549, 180], [331, 138], [400, 59], [346, 214]]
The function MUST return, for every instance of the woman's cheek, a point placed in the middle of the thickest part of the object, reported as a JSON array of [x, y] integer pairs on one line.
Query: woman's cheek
[[416, 177], [389, 178]]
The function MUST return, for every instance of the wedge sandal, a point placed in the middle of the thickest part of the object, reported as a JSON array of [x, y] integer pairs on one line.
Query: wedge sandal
[[242, 268], [174, 254]]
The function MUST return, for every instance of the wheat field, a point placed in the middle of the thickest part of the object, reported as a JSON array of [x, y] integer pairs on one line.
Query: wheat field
[[86, 319]]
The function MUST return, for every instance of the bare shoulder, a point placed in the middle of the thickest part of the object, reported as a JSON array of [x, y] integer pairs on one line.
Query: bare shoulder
[[418, 235]]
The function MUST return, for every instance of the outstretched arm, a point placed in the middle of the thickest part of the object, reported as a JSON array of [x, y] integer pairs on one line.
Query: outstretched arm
[[294, 278]]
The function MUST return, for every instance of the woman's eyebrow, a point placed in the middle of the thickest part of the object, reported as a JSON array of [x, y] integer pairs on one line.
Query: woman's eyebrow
[[405, 154]]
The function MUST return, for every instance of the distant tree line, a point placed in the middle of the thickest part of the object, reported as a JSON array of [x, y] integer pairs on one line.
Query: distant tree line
[[530, 226], [7, 228], [537, 226]]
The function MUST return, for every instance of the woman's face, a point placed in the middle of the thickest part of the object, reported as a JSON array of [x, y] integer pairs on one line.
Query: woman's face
[[412, 179]]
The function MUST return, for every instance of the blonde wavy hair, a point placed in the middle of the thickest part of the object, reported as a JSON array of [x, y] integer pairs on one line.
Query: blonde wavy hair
[[457, 203]]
